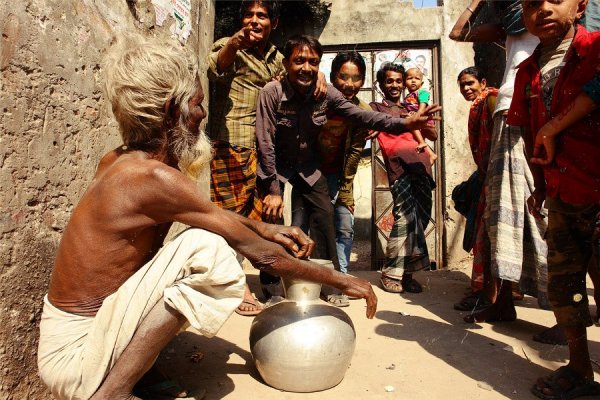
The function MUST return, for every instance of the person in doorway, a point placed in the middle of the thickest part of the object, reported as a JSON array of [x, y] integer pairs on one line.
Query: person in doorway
[[411, 183], [117, 293]]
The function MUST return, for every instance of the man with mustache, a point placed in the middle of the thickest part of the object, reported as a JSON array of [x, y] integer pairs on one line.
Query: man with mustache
[[288, 121], [238, 67], [118, 294]]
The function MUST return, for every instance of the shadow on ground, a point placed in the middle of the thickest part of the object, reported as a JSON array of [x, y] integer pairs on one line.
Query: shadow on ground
[[199, 363]]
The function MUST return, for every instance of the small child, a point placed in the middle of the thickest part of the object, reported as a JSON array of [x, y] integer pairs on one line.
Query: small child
[[416, 101], [546, 85]]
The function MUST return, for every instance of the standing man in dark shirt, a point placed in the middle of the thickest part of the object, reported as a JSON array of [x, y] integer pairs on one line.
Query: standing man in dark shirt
[[288, 120]]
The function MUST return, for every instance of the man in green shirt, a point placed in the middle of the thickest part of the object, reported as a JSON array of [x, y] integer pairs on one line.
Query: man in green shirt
[[238, 67]]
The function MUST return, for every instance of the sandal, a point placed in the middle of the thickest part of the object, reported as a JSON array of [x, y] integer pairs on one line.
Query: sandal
[[391, 285], [410, 285], [258, 307], [565, 384], [338, 300]]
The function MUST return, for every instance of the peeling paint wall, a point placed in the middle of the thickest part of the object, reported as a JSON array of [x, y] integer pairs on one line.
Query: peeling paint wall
[[54, 127]]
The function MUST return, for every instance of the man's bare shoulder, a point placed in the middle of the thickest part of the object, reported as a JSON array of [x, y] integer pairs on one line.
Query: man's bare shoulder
[[133, 165]]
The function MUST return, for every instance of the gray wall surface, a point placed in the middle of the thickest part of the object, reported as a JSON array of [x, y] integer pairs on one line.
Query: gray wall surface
[[54, 127]]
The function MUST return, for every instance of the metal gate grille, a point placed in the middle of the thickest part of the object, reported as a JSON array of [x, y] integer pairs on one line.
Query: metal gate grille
[[381, 198]]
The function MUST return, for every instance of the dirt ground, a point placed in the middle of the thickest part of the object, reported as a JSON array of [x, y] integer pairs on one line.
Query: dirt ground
[[416, 347]]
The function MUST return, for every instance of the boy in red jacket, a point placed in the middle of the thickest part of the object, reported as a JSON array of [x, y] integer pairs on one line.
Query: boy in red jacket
[[546, 84]]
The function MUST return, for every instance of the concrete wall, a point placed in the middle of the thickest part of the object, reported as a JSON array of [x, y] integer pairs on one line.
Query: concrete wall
[[54, 127], [380, 21]]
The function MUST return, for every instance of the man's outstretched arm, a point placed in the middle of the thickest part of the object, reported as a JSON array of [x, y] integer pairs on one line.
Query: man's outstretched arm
[[164, 194]]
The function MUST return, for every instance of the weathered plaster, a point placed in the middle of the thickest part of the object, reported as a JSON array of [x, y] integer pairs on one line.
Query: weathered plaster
[[54, 127]]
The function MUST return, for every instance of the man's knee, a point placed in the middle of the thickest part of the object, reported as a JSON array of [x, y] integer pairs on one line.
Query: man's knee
[[195, 234], [200, 238]]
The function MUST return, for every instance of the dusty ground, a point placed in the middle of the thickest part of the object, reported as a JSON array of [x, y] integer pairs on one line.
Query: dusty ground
[[416, 344]]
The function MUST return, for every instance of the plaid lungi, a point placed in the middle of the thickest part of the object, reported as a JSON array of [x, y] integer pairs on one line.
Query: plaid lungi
[[233, 180], [407, 249]]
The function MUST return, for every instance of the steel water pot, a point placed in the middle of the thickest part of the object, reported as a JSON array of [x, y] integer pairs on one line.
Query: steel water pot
[[302, 344]]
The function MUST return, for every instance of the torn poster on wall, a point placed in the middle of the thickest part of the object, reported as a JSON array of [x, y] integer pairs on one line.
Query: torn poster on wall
[[180, 10]]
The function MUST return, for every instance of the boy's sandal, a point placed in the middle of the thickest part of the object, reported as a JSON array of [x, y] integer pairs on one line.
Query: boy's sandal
[[566, 384], [391, 285]]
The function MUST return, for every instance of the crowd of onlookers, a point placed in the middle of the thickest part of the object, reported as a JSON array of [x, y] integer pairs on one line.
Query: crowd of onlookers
[[534, 141]]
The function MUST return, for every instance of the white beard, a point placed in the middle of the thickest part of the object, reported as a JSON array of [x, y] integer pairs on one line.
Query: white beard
[[194, 158], [194, 152]]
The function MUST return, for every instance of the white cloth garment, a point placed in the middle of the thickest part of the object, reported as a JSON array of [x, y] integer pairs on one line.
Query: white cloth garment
[[518, 48], [196, 273]]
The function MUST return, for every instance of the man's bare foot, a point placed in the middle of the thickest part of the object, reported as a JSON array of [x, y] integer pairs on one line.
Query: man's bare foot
[[492, 313], [250, 306]]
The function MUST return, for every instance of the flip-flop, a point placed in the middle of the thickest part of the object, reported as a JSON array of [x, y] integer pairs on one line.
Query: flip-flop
[[250, 313], [579, 385], [391, 285]]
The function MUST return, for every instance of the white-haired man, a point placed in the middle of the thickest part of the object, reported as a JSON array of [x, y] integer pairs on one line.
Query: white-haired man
[[117, 295]]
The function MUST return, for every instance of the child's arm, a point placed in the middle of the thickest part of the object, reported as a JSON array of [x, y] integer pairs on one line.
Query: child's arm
[[535, 201], [464, 31], [545, 140]]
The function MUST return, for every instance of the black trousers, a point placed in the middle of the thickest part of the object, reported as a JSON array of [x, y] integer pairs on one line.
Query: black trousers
[[312, 202]]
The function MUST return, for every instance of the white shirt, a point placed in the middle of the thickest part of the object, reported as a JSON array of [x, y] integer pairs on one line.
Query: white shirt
[[518, 48]]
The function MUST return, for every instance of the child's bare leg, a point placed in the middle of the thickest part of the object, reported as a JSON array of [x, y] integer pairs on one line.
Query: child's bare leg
[[154, 333], [579, 362], [432, 155]]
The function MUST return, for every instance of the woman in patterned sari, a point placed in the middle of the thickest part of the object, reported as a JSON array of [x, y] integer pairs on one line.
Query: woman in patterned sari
[[473, 87]]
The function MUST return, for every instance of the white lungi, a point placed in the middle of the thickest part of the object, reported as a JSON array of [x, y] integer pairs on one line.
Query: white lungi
[[196, 273]]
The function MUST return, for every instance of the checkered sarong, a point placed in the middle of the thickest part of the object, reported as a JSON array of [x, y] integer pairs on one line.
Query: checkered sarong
[[233, 180], [407, 248]]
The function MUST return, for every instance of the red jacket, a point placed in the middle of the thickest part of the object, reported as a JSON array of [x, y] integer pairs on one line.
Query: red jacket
[[574, 176]]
